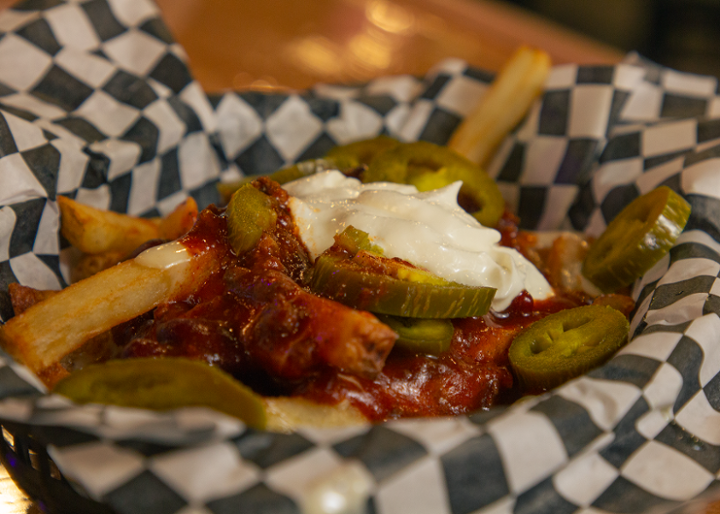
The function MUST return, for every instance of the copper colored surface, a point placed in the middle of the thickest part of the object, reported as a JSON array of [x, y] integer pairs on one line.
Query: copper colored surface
[[12, 499], [295, 44]]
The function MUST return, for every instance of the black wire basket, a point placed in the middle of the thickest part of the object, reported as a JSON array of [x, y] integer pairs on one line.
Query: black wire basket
[[24, 454]]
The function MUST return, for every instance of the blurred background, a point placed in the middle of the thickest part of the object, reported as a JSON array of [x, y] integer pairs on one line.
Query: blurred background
[[281, 43], [682, 34], [270, 44]]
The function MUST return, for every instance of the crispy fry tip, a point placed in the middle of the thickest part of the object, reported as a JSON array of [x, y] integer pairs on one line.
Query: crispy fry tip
[[503, 106]]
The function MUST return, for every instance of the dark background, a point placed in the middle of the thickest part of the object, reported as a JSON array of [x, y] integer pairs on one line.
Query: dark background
[[682, 34]]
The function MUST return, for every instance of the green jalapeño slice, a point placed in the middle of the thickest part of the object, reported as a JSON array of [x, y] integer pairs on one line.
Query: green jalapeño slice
[[351, 274], [349, 159], [163, 384], [636, 239], [360, 153], [429, 166], [281, 176], [565, 345], [249, 214], [428, 336]]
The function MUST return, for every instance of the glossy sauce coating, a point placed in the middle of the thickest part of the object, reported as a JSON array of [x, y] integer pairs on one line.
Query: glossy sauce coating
[[255, 319], [473, 374]]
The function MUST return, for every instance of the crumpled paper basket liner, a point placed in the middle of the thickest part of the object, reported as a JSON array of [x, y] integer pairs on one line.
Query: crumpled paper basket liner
[[97, 103]]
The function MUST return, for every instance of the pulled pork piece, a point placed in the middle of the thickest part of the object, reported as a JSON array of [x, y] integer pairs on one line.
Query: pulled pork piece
[[295, 333]]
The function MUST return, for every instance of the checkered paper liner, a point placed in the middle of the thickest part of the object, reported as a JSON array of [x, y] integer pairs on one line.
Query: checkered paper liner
[[97, 103]]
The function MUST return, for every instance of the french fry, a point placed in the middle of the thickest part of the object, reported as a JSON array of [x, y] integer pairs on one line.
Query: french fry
[[180, 221], [90, 263], [175, 225], [94, 231], [502, 107], [45, 333], [287, 414]]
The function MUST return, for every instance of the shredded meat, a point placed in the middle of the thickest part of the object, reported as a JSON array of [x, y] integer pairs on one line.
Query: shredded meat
[[254, 313]]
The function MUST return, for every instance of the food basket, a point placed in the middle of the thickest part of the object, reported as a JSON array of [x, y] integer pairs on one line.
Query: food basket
[[97, 103]]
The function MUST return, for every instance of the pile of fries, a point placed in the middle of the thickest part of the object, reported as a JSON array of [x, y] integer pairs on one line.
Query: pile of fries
[[110, 287], [106, 238], [41, 335]]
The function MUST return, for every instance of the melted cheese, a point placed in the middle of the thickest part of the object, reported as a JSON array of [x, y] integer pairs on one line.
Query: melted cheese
[[164, 256]]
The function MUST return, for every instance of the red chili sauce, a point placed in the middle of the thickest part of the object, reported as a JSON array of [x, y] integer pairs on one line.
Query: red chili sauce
[[256, 319]]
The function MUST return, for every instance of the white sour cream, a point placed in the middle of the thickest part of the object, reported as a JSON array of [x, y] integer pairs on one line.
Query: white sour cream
[[164, 256], [427, 229]]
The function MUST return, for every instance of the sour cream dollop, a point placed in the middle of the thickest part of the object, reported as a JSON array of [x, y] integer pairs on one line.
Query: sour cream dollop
[[428, 229]]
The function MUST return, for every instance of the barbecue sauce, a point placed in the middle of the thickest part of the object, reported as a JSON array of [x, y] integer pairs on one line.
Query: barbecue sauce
[[255, 319]]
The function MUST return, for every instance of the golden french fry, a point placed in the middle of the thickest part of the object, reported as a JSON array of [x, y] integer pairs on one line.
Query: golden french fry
[[287, 414], [176, 224], [45, 333], [112, 236], [94, 231], [90, 263], [180, 221], [502, 107]]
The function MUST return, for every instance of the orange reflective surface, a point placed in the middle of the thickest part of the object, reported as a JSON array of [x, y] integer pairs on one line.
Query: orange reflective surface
[[12, 499], [294, 44]]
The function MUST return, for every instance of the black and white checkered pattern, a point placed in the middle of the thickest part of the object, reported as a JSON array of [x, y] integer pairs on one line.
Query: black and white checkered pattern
[[97, 103], [555, 150], [667, 93], [257, 131], [678, 153], [540, 167]]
